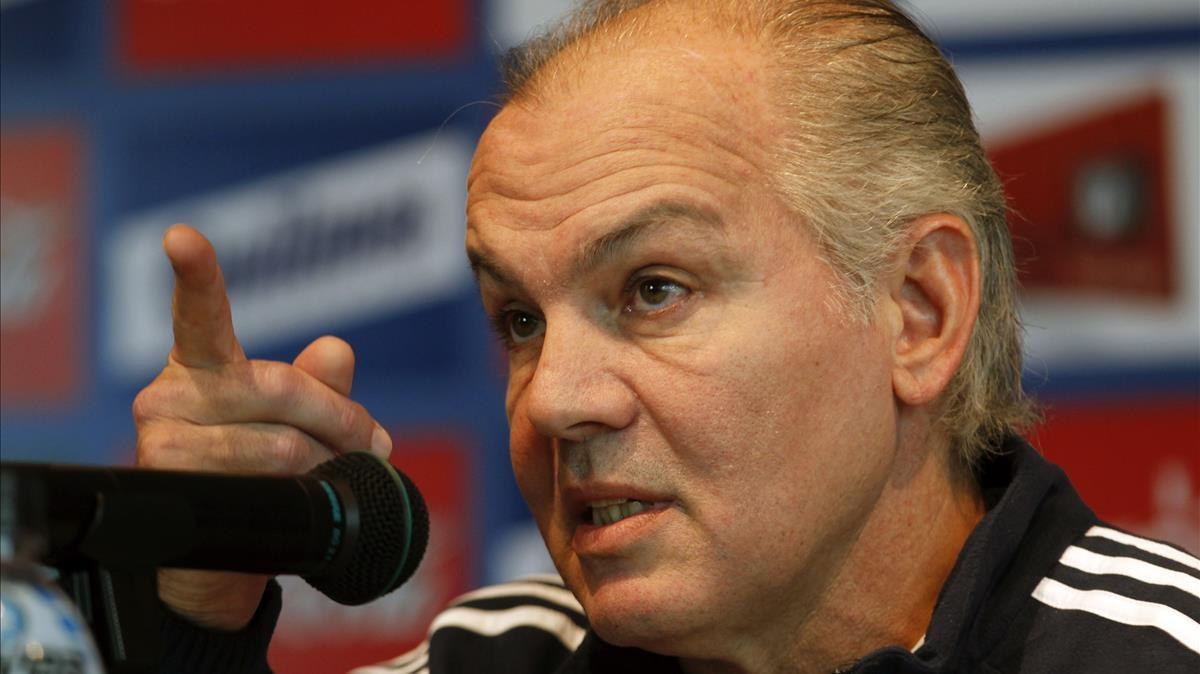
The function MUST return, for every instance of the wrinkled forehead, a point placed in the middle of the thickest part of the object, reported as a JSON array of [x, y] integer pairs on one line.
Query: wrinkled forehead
[[692, 98]]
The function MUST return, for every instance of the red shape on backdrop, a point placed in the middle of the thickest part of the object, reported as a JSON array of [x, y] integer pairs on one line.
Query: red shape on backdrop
[[1089, 201], [317, 636], [1137, 463], [41, 321], [189, 35]]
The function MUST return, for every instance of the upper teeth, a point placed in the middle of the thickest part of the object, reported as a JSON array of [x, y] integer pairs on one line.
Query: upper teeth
[[608, 511]]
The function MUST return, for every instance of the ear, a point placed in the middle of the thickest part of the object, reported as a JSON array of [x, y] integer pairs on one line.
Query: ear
[[934, 297]]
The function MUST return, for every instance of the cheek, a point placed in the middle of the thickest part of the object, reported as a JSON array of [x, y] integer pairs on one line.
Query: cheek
[[527, 449], [531, 456], [518, 377], [779, 405]]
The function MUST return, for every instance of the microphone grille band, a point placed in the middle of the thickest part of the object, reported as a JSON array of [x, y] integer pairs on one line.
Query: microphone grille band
[[393, 529]]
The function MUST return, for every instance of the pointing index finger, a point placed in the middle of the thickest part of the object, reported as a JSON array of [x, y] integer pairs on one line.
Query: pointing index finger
[[201, 318]]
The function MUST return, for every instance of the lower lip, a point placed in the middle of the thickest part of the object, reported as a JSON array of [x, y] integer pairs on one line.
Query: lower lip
[[608, 539]]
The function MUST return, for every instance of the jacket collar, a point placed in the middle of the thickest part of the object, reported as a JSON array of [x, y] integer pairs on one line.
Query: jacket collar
[[1033, 514]]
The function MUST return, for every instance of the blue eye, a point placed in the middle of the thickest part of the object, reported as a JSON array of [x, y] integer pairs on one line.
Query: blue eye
[[656, 293]]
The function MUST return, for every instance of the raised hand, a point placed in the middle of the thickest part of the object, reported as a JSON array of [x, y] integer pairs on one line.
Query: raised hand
[[212, 409]]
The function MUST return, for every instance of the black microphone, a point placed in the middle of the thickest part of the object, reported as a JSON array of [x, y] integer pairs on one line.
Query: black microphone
[[354, 527]]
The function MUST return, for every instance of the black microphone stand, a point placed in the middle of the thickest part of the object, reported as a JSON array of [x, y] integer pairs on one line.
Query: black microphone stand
[[122, 611]]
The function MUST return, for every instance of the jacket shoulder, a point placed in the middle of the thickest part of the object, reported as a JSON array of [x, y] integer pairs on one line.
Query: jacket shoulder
[[1113, 602]]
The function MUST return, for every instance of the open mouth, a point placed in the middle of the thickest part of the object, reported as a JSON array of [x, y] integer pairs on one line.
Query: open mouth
[[611, 511]]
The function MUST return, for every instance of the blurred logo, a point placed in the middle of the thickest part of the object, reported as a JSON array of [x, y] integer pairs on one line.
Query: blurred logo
[[27, 277], [316, 248], [1175, 507], [1090, 195], [41, 273]]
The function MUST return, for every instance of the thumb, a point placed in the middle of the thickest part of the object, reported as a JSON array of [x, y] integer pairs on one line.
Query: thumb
[[330, 360]]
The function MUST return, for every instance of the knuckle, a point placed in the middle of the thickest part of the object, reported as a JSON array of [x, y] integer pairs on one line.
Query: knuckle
[[356, 424], [290, 451], [144, 405], [156, 446], [277, 381], [153, 401], [168, 396]]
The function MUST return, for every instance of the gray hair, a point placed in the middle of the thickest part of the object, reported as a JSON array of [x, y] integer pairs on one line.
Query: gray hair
[[879, 133]]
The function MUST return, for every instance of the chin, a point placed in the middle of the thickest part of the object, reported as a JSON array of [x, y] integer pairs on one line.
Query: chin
[[635, 631], [635, 613]]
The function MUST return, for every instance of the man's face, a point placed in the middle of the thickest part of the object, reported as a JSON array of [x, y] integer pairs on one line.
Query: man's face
[[674, 356]]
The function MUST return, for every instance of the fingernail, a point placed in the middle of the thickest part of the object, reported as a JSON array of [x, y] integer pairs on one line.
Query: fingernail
[[381, 442]]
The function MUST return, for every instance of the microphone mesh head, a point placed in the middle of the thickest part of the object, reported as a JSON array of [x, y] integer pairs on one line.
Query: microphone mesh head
[[393, 528]]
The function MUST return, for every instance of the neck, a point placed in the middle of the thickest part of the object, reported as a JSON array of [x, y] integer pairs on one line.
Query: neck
[[885, 589]]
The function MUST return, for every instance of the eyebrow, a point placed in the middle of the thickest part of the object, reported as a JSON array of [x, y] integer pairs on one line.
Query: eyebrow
[[613, 243]]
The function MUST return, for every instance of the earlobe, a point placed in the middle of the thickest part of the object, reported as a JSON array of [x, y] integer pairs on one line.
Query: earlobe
[[935, 290]]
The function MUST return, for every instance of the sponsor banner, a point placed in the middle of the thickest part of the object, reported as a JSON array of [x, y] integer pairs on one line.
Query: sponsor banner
[[1136, 463], [315, 635], [1099, 156], [183, 35], [317, 248], [42, 270]]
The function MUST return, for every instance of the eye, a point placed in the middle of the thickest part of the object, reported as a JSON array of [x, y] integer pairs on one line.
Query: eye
[[521, 326], [655, 293]]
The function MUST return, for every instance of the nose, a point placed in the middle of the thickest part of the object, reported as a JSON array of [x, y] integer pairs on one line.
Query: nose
[[577, 389]]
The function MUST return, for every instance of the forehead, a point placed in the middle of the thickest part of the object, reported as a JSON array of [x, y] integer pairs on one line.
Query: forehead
[[681, 112]]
